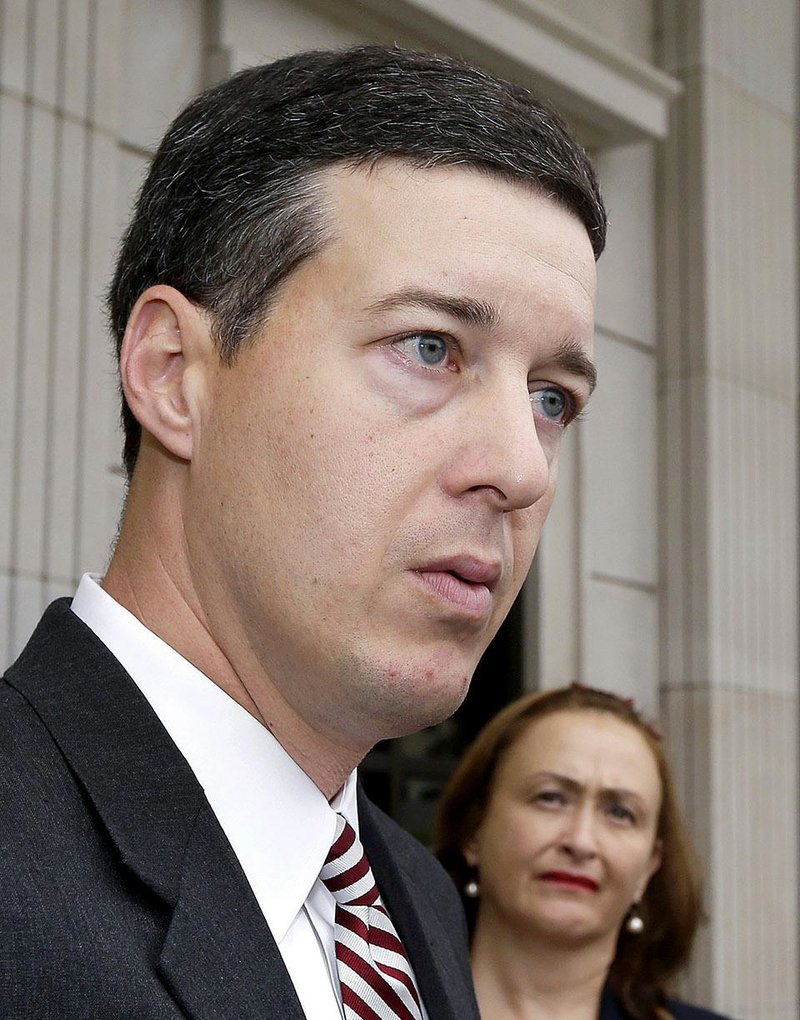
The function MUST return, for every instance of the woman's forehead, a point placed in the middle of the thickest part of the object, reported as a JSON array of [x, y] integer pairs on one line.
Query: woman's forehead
[[585, 745]]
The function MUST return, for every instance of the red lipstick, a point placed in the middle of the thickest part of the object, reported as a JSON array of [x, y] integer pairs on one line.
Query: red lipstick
[[566, 878]]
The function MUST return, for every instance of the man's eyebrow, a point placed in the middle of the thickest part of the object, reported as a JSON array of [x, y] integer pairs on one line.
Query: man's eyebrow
[[465, 309], [571, 356]]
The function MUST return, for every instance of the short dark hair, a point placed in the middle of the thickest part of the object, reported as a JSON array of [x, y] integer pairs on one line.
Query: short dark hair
[[230, 204], [672, 903]]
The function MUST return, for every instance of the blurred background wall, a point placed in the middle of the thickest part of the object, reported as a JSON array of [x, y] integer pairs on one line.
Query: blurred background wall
[[669, 568]]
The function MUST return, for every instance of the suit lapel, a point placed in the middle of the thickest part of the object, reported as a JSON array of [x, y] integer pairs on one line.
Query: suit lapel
[[219, 958], [428, 944]]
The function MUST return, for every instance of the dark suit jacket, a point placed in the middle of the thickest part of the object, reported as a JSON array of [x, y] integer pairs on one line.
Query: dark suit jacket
[[612, 1009], [120, 896]]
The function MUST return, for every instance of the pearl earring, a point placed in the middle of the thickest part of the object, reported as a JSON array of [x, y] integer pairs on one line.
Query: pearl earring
[[472, 889], [634, 923]]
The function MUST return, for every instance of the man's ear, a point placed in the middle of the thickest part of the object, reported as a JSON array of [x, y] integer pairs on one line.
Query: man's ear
[[166, 357]]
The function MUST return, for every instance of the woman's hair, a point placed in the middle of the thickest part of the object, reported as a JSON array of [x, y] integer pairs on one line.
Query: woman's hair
[[671, 907]]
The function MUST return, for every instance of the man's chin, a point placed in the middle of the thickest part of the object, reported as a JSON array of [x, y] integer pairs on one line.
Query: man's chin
[[397, 693], [426, 699]]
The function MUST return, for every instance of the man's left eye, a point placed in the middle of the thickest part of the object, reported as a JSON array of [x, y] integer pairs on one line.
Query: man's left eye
[[429, 349], [552, 403]]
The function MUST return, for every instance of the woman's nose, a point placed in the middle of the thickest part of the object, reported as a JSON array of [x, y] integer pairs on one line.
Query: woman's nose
[[579, 837]]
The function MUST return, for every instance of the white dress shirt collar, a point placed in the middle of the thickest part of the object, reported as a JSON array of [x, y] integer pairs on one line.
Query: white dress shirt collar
[[276, 819]]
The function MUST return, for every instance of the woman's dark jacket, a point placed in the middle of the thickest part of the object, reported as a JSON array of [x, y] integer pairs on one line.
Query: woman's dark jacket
[[612, 1009]]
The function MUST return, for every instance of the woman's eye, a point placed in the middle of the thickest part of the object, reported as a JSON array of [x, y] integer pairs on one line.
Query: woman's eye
[[550, 797], [622, 813], [429, 349], [552, 403]]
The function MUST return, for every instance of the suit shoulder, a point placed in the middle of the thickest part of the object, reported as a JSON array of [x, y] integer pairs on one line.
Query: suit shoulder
[[22, 734], [35, 782], [26, 743]]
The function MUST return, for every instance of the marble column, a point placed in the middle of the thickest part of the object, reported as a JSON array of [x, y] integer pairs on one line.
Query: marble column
[[728, 428]]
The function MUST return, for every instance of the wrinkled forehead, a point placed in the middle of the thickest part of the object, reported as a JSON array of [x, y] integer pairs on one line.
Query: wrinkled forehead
[[584, 745]]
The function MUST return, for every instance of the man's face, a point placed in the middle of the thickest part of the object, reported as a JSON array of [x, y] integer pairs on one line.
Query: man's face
[[373, 473]]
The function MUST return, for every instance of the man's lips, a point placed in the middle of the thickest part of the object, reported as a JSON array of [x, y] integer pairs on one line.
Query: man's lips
[[568, 879], [465, 582]]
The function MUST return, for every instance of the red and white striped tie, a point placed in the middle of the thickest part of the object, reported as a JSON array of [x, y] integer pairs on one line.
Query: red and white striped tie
[[375, 974]]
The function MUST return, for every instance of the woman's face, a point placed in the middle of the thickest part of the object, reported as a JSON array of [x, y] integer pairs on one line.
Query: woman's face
[[568, 841]]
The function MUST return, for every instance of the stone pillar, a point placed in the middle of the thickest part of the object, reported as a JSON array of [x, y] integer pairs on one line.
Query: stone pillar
[[59, 482], [728, 427]]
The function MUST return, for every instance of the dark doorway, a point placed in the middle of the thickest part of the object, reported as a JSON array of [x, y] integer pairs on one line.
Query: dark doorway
[[406, 776]]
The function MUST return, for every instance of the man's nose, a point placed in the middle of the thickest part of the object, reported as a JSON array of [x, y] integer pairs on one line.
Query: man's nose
[[501, 455]]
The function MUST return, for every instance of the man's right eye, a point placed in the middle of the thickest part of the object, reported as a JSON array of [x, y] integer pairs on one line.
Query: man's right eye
[[429, 349]]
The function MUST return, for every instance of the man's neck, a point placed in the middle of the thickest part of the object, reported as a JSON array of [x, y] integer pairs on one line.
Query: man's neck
[[154, 586]]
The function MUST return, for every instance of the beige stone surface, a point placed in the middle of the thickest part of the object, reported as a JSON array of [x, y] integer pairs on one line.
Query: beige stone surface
[[76, 39], [552, 635], [619, 646], [260, 30], [99, 443], [618, 460], [12, 122], [752, 533], [751, 252], [26, 603], [58, 560], [35, 325], [47, 67], [161, 66], [626, 299], [736, 787], [729, 436], [754, 46], [14, 54], [627, 24], [105, 61]]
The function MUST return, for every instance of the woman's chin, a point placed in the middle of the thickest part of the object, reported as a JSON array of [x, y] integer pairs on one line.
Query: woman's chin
[[570, 929]]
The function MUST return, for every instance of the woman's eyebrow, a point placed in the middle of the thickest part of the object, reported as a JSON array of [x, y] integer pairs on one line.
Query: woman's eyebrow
[[608, 792], [556, 777], [620, 793]]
